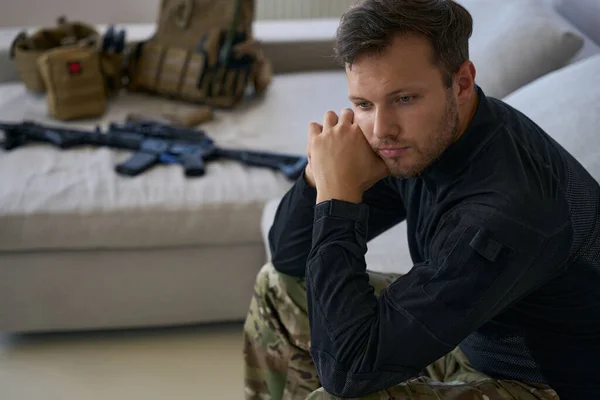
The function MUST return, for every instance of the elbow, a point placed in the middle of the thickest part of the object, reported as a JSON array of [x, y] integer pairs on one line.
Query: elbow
[[347, 385], [339, 381], [333, 377], [338, 392], [341, 390], [286, 262], [283, 264], [287, 268], [339, 386], [344, 381]]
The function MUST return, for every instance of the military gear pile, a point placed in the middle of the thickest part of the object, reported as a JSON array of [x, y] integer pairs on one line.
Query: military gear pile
[[203, 52]]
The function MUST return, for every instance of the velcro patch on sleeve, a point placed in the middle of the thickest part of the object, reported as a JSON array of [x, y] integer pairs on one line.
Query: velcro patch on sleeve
[[486, 246]]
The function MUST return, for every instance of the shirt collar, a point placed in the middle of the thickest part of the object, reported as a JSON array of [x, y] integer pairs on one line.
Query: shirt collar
[[483, 126]]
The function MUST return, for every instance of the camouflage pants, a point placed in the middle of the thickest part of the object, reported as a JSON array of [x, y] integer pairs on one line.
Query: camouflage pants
[[278, 364]]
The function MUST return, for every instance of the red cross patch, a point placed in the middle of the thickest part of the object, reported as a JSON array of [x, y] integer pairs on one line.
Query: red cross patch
[[74, 67]]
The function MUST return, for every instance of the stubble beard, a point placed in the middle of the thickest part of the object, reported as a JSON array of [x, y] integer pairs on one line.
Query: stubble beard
[[447, 131]]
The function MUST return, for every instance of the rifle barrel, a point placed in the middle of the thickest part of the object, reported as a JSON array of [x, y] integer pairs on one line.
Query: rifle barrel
[[153, 143]]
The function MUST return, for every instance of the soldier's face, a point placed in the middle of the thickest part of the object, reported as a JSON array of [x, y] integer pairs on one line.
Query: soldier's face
[[400, 101]]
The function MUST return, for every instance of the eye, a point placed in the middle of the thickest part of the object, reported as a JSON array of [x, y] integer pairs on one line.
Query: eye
[[405, 99], [362, 104]]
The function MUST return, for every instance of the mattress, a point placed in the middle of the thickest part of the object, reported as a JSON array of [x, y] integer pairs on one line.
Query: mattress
[[73, 199]]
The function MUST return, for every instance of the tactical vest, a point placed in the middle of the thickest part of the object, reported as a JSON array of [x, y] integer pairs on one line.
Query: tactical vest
[[203, 51], [73, 64]]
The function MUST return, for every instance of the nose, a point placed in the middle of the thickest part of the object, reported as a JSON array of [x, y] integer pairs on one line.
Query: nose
[[385, 125]]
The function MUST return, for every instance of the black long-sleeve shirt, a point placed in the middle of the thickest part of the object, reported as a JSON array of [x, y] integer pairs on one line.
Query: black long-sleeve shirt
[[504, 233]]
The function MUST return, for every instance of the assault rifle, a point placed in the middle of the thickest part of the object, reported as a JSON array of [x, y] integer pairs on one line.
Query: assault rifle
[[153, 143]]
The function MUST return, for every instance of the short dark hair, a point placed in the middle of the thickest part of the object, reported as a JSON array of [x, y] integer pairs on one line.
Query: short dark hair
[[370, 26]]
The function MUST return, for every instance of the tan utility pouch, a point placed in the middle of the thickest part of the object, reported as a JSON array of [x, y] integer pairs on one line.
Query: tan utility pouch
[[26, 50], [74, 82]]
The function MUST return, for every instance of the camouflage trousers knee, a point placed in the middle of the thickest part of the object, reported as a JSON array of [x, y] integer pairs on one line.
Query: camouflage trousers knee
[[278, 364]]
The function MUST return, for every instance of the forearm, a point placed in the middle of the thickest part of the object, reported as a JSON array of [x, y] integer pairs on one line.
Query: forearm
[[290, 237], [357, 339]]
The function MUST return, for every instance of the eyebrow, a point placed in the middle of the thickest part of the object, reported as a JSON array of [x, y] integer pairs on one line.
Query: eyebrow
[[390, 94]]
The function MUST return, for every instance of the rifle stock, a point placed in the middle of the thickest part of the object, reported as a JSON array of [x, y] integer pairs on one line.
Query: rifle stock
[[11, 139], [290, 166]]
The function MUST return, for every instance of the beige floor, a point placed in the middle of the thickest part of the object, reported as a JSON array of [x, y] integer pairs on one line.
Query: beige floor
[[184, 363]]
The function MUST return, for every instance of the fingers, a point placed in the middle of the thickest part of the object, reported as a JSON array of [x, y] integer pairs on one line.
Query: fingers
[[314, 129], [319, 127], [330, 120], [346, 117]]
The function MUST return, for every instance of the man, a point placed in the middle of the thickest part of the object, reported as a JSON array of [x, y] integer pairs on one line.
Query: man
[[503, 300]]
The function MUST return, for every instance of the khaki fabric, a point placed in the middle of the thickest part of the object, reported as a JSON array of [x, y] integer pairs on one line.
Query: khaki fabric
[[203, 51], [181, 21], [26, 50], [278, 364], [74, 81]]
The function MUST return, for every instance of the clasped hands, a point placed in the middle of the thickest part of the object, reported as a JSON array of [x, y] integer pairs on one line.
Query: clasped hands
[[341, 163]]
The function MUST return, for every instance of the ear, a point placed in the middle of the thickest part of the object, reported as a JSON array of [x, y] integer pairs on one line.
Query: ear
[[464, 83]]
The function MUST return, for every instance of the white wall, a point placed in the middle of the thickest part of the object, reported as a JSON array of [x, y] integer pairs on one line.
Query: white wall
[[45, 12], [280, 9]]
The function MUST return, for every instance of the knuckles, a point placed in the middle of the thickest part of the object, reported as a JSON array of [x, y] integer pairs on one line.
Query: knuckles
[[331, 114], [346, 117], [342, 125], [314, 128]]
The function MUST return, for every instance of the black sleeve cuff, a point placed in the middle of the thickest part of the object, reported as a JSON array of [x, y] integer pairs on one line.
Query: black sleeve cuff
[[337, 220], [358, 212]]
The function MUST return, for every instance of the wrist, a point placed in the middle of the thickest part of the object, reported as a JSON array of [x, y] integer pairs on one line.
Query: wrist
[[350, 196], [308, 177]]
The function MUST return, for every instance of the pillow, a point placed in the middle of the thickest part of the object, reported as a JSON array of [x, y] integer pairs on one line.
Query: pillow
[[516, 41], [566, 104]]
